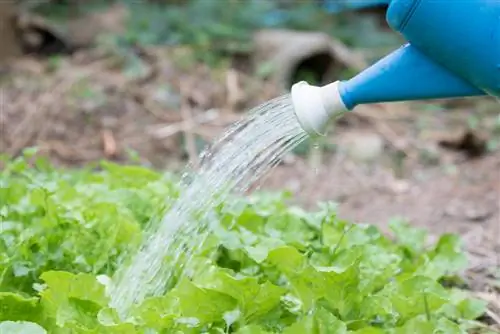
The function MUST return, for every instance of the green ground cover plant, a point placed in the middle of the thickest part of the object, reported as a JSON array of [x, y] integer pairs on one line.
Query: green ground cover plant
[[266, 266]]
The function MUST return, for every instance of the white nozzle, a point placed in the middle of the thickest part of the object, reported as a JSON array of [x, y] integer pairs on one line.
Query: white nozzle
[[315, 106]]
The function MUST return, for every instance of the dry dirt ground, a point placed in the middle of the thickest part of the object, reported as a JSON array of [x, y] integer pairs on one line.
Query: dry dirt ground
[[400, 160]]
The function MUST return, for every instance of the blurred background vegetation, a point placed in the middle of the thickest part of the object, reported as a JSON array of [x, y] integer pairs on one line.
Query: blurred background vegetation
[[214, 28]]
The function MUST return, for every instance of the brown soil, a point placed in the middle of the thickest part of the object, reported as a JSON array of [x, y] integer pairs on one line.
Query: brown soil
[[85, 108]]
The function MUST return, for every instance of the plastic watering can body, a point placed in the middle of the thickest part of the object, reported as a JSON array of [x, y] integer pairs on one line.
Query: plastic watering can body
[[463, 36], [453, 51]]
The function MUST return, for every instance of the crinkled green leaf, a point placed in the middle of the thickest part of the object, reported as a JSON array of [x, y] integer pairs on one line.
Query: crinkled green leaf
[[252, 329], [446, 258], [471, 308], [377, 308], [80, 312], [319, 322], [61, 286], [261, 248], [156, 312], [206, 305], [254, 299], [342, 284], [290, 228], [412, 238], [15, 307], [369, 330], [414, 296], [425, 325], [416, 325], [305, 281], [377, 267], [446, 326], [463, 306], [343, 235], [115, 329], [73, 301]]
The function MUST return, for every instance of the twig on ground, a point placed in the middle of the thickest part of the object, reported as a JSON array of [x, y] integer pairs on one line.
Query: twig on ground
[[163, 131], [233, 89], [187, 115], [143, 101], [493, 316], [109, 143], [494, 301]]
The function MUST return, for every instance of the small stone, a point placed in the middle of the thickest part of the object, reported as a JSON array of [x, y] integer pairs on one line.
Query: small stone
[[166, 96], [363, 146], [477, 213], [400, 186], [293, 185], [288, 159]]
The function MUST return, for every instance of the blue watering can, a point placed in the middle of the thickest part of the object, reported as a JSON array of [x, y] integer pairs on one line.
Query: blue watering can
[[453, 51]]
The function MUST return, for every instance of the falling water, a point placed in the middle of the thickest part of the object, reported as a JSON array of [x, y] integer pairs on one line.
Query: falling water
[[239, 158]]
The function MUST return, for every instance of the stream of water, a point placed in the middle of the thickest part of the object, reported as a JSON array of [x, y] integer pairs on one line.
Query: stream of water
[[243, 154]]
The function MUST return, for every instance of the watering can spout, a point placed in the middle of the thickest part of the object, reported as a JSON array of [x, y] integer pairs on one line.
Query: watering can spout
[[444, 58], [404, 75]]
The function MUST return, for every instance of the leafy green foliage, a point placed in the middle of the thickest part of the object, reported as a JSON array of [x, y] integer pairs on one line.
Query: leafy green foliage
[[212, 28], [215, 28], [266, 267]]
